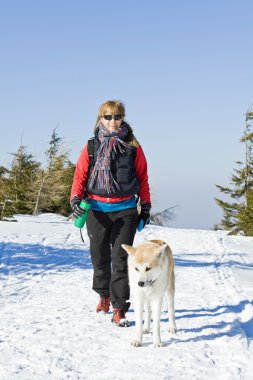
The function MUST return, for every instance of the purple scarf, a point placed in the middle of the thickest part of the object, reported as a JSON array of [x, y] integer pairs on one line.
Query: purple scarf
[[110, 141]]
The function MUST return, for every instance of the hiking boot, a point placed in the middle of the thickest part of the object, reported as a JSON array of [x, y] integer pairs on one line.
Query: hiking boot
[[119, 318], [104, 305]]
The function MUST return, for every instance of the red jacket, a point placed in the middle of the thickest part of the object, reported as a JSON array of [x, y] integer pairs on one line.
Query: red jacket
[[81, 177]]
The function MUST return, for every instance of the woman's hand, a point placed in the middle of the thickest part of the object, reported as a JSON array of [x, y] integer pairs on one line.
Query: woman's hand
[[144, 214], [75, 206]]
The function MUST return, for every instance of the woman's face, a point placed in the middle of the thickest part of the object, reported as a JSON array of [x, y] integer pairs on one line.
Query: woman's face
[[111, 122]]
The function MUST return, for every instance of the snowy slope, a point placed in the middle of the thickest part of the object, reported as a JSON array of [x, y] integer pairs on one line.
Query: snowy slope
[[49, 328]]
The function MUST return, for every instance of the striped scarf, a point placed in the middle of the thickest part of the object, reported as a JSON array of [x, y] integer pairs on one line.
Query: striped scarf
[[110, 141]]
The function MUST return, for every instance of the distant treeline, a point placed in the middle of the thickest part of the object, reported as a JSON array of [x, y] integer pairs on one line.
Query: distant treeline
[[28, 188], [238, 213]]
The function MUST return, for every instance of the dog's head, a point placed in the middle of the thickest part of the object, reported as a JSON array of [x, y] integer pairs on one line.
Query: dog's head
[[145, 262]]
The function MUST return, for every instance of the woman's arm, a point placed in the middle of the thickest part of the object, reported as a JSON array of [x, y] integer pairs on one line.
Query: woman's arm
[[142, 175], [81, 174]]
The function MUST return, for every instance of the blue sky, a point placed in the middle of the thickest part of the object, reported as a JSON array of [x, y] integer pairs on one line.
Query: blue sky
[[183, 70]]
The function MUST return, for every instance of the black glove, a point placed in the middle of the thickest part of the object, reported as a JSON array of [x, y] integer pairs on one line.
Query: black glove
[[75, 206], [145, 214]]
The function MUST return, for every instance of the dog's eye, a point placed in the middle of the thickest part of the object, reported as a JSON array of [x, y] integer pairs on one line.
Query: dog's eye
[[147, 269], [136, 269]]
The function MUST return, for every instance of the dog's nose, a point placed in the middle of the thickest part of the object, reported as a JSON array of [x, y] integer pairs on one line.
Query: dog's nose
[[141, 283]]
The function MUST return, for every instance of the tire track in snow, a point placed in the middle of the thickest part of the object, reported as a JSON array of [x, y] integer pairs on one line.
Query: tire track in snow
[[237, 309], [225, 270]]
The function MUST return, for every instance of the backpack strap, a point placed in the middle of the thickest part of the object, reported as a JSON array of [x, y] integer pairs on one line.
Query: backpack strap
[[135, 153], [91, 148]]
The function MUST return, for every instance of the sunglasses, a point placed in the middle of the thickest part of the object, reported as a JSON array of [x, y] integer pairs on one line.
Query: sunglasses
[[110, 117]]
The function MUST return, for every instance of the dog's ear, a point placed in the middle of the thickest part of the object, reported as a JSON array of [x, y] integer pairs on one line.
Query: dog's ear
[[161, 250], [130, 250]]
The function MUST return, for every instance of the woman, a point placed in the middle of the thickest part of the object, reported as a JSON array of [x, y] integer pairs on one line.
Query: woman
[[111, 171]]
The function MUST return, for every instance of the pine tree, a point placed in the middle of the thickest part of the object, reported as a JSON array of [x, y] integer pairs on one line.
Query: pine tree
[[22, 174], [6, 204], [245, 218], [54, 183], [66, 180], [28, 188], [43, 196], [238, 215]]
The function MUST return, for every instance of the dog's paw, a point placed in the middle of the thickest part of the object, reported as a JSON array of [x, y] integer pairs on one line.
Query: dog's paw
[[146, 330], [136, 343], [157, 344], [172, 329]]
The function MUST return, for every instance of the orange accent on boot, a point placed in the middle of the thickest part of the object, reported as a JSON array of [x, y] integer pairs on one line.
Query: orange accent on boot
[[119, 318], [104, 305]]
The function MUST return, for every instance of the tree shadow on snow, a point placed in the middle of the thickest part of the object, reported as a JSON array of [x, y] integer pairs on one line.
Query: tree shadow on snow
[[180, 262], [38, 258], [221, 328]]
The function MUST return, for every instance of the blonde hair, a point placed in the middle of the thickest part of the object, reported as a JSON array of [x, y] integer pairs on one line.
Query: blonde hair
[[115, 107]]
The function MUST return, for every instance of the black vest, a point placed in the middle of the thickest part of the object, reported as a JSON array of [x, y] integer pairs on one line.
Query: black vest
[[123, 171]]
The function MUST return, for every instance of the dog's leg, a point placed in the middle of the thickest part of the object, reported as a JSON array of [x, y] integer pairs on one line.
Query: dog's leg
[[147, 318], [138, 309], [156, 306], [171, 310]]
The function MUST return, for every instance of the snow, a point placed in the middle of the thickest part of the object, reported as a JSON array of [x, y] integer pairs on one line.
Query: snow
[[49, 328]]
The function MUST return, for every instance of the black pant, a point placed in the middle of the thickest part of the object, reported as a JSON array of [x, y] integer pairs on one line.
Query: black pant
[[107, 231]]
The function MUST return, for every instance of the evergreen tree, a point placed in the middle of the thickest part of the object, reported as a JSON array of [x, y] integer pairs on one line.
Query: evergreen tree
[[238, 215], [6, 204], [22, 174], [54, 183], [27, 188]]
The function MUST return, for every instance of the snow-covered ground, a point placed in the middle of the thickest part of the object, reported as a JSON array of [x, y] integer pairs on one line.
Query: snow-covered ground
[[49, 329]]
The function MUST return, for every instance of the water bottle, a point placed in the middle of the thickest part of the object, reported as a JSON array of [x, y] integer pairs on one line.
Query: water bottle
[[80, 220]]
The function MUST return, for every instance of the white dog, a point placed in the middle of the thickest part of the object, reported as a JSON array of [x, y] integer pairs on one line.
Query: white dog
[[151, 275]]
